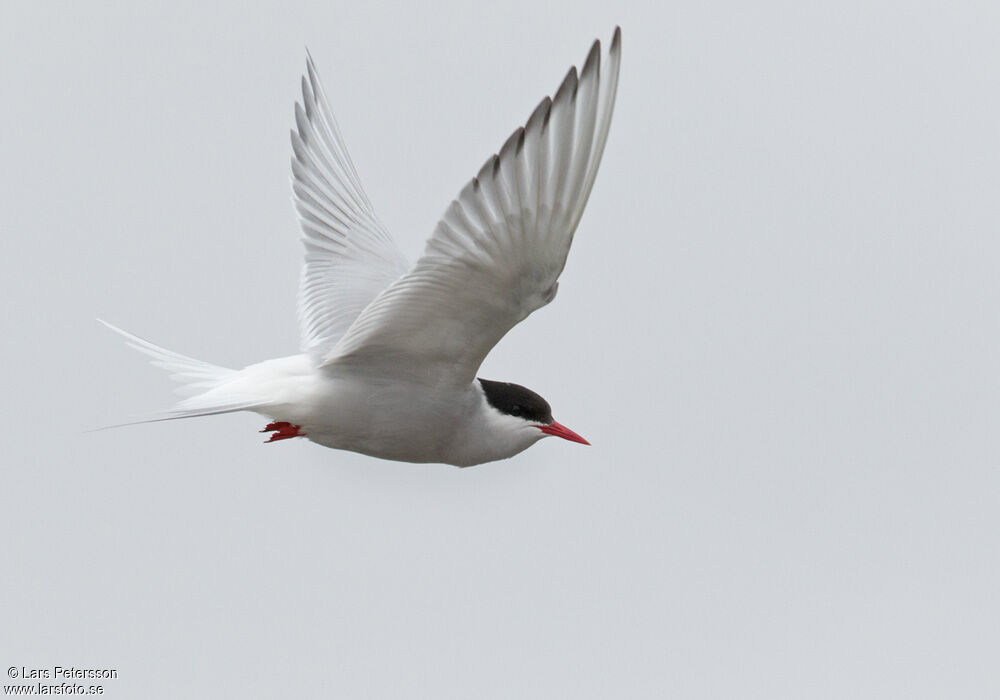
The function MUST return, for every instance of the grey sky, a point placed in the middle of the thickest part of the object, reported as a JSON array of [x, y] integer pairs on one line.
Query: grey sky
[[777, 327]]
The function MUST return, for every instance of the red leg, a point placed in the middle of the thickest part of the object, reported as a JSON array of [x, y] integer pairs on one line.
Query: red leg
[[283, 431]]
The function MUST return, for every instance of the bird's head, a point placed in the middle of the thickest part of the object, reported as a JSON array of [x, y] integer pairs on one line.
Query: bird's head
[[520, 410]]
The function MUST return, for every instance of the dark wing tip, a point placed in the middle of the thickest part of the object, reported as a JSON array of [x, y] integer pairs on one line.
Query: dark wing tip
[[512, 142], [541, 113], [568, 86], [488, 171], [593, 58]]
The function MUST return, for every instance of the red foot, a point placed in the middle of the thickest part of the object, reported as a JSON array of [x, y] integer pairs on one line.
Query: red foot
[[282, 431]]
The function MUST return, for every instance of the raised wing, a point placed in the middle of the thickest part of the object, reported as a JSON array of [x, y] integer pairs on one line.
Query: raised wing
[[496, 254], [350, 257]]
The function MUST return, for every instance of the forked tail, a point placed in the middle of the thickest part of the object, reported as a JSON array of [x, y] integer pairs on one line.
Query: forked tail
[[209, 389]]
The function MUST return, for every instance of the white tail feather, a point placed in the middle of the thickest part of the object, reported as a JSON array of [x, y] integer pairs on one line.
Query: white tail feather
[[204, 384]]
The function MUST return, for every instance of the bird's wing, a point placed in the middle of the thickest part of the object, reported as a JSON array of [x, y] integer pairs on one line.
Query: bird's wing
[[497, 252], [350, 257]]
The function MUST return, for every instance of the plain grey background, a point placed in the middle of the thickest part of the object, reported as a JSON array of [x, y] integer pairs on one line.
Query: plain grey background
[[777, 327]]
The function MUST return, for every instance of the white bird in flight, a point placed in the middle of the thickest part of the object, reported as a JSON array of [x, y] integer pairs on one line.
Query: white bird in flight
[[390, 352]]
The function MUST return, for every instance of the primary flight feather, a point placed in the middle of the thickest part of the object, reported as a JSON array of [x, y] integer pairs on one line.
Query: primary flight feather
[[390, 352]]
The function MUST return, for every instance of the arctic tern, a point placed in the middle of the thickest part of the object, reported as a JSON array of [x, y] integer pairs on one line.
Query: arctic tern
[[390, 352]]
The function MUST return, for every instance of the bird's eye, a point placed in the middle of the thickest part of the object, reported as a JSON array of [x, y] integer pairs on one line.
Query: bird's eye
[[515, 410]]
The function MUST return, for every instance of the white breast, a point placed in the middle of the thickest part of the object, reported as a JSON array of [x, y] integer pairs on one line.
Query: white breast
[[395, 420]]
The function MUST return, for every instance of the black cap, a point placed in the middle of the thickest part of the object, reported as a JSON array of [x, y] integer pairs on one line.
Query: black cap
[[516, 400]]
